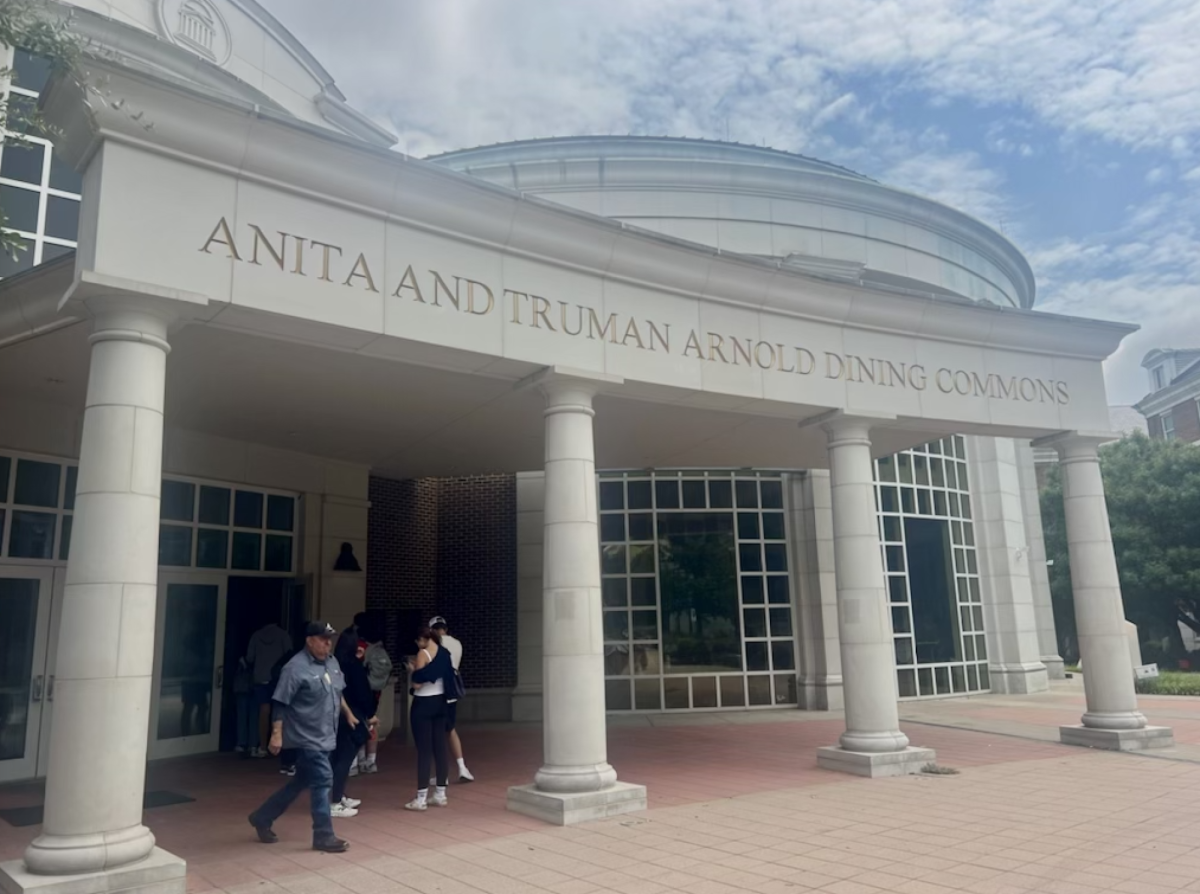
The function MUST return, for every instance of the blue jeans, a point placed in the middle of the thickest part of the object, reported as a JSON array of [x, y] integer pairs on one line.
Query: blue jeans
[[313, 773]]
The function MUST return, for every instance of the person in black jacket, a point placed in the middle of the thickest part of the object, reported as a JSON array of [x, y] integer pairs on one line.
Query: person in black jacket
[[361, 701]]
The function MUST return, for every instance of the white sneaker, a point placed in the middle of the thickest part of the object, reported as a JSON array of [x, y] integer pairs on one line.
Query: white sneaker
[[353, 771], [464, 775], [414, 804], [352, 802], [439, 800], [371, 768], [341, 811]]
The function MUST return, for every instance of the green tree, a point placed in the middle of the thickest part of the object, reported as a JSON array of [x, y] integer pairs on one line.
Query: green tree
[[31, 26], [1153, 494]]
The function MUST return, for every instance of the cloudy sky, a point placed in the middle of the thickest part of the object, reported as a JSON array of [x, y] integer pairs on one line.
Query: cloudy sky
[[1072, 127]]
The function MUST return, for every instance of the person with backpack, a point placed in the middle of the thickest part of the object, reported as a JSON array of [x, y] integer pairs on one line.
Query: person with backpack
[[454, 647], [379, 674]]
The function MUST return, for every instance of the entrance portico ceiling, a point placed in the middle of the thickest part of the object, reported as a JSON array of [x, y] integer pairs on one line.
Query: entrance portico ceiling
[[360, 360]]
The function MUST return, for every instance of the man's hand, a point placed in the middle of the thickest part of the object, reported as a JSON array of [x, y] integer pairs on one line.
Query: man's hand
[[276, 744], [352, 720]]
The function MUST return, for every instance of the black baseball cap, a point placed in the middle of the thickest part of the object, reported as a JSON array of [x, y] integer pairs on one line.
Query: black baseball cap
[[319, 628], [437, 621]]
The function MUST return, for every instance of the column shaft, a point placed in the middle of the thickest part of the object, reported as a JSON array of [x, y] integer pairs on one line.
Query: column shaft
[[1096, 589], [93, 814], [864, 625], [575, 734]]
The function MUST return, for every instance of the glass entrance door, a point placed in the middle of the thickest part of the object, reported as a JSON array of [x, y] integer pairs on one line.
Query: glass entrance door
[[185, 715], [25, 687]]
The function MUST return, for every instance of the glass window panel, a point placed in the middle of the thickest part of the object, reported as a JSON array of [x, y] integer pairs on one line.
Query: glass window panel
[[62, 217], [641, 558], [925, 680], [898, 588], [646, 695], [178, 501], [773, 526], [977, 615], [889, 499], [733, 692], [23, 163], [891, 528], [785, 689], [941, 679], [63, 176], [30, 72], [616, 661], [951, 476], [612, 528], [642, 590], [924, 505], [21, 207], [968, 534], [921, 469], [612, 559], [975, 597], [50, 251], [701, 623], [772, 493], [32, 535], [966, 505], [781, 622], [666, 493], [968, 648], [958, 679], [646, 660], [278, 553], [939, 503], [639, 495], [756, 657], [904, 468], [984, 681], [752, 590], [750, 557], [778, 591], [693, 495], [908, 683], [981, 646], [617, 695], [69, 490], [720, 494], [189, 644], [776, 556], [972, 562], [37, 483], [760, 690], [10, 266], [281, 513], [895, 558], [704, 692], [612, 495], [972, 678], [755, 620], [748, 525], [965, 611], [900, 619], [174, 546], [247, 509], [886, 469], [937, 472], [641, 526], [214, 505], [904, 650], [614, 592], [675, 694], [747, 493], [5, 469], [247, 551], [906, 501], [783, 655], [64, 542], [18, 639], [645, 625], [212, 548], [616, 626]]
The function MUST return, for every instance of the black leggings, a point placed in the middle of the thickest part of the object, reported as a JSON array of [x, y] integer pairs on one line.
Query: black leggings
[[343, 758], [428, 720]]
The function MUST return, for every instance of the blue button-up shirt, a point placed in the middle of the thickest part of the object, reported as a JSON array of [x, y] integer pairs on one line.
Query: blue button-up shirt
[[311, 694]]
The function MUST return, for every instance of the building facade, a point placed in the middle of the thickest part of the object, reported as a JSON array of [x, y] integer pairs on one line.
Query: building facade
[[1172, 406], [662, 425]]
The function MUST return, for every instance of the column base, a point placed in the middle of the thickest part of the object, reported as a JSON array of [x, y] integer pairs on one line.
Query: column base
[[526, 705], [1018, 679], [1055, 667], [1118, 739], [159, 873], [874, 766], [568, 808]]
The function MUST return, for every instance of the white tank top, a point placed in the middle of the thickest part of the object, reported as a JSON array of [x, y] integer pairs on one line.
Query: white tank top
[[437, 687]]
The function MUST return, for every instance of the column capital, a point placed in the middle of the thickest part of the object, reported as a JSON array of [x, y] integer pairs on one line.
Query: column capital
[[117, 303], [563, 385], [1077, 445], [841, 426]]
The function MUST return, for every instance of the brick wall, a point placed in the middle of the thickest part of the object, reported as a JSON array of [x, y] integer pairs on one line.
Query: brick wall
[[1187, 421], [448, 546]]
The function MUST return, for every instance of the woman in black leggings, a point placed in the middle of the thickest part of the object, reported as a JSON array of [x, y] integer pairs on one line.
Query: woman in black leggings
[[428, 672]]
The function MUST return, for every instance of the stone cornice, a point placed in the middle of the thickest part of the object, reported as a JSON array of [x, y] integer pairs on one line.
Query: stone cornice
[[1165, 398], [256, 144]]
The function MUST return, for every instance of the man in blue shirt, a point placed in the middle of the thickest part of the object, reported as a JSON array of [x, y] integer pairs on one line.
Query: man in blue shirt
[[307, 701]]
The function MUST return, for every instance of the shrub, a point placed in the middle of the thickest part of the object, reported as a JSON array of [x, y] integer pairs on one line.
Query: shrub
[[1170, 683]]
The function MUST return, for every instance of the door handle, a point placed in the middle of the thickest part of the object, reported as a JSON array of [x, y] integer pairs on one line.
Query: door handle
[[220, 676], [37, 688], [50, 688]]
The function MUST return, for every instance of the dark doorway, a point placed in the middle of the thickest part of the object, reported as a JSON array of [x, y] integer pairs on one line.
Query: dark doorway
[[931, 580], [251, 603]]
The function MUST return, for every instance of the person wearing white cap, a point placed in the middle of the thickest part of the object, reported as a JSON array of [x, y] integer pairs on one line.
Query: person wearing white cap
[[454, 647]]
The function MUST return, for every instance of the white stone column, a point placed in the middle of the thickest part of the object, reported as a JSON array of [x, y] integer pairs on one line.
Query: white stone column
[[93, 828], [1112, 719], [1039, 578], [872, 744], [814, 588], [531, 532], [576, 782]]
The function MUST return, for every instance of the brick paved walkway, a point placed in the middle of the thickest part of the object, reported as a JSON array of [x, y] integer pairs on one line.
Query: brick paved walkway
[[737, 804]]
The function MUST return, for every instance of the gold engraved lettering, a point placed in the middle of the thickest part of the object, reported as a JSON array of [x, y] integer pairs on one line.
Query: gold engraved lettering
[[607, 331], [409, 281], [693, 344], [1028, 397], [517, 296], [780, 361], [1045, 391], [261, 239], [631, 331], [917, 377], [326, 248], [831, 371], [1064, 396], [222, 230], [714, 346], [806, 363], [360, 269], [664, 339], [562, 318], [440, 288], [944, 386], [540, 306], [743, 349], [770, 354], [471, 284]]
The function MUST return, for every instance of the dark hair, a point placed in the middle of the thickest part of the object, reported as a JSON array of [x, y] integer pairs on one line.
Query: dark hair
[[360, 619], [429, 633]]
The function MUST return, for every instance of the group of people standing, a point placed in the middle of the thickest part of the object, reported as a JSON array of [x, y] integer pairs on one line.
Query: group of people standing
[[324, 712]]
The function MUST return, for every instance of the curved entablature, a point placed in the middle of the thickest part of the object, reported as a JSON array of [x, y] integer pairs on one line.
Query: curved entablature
[[233, 48], [813, 216]]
